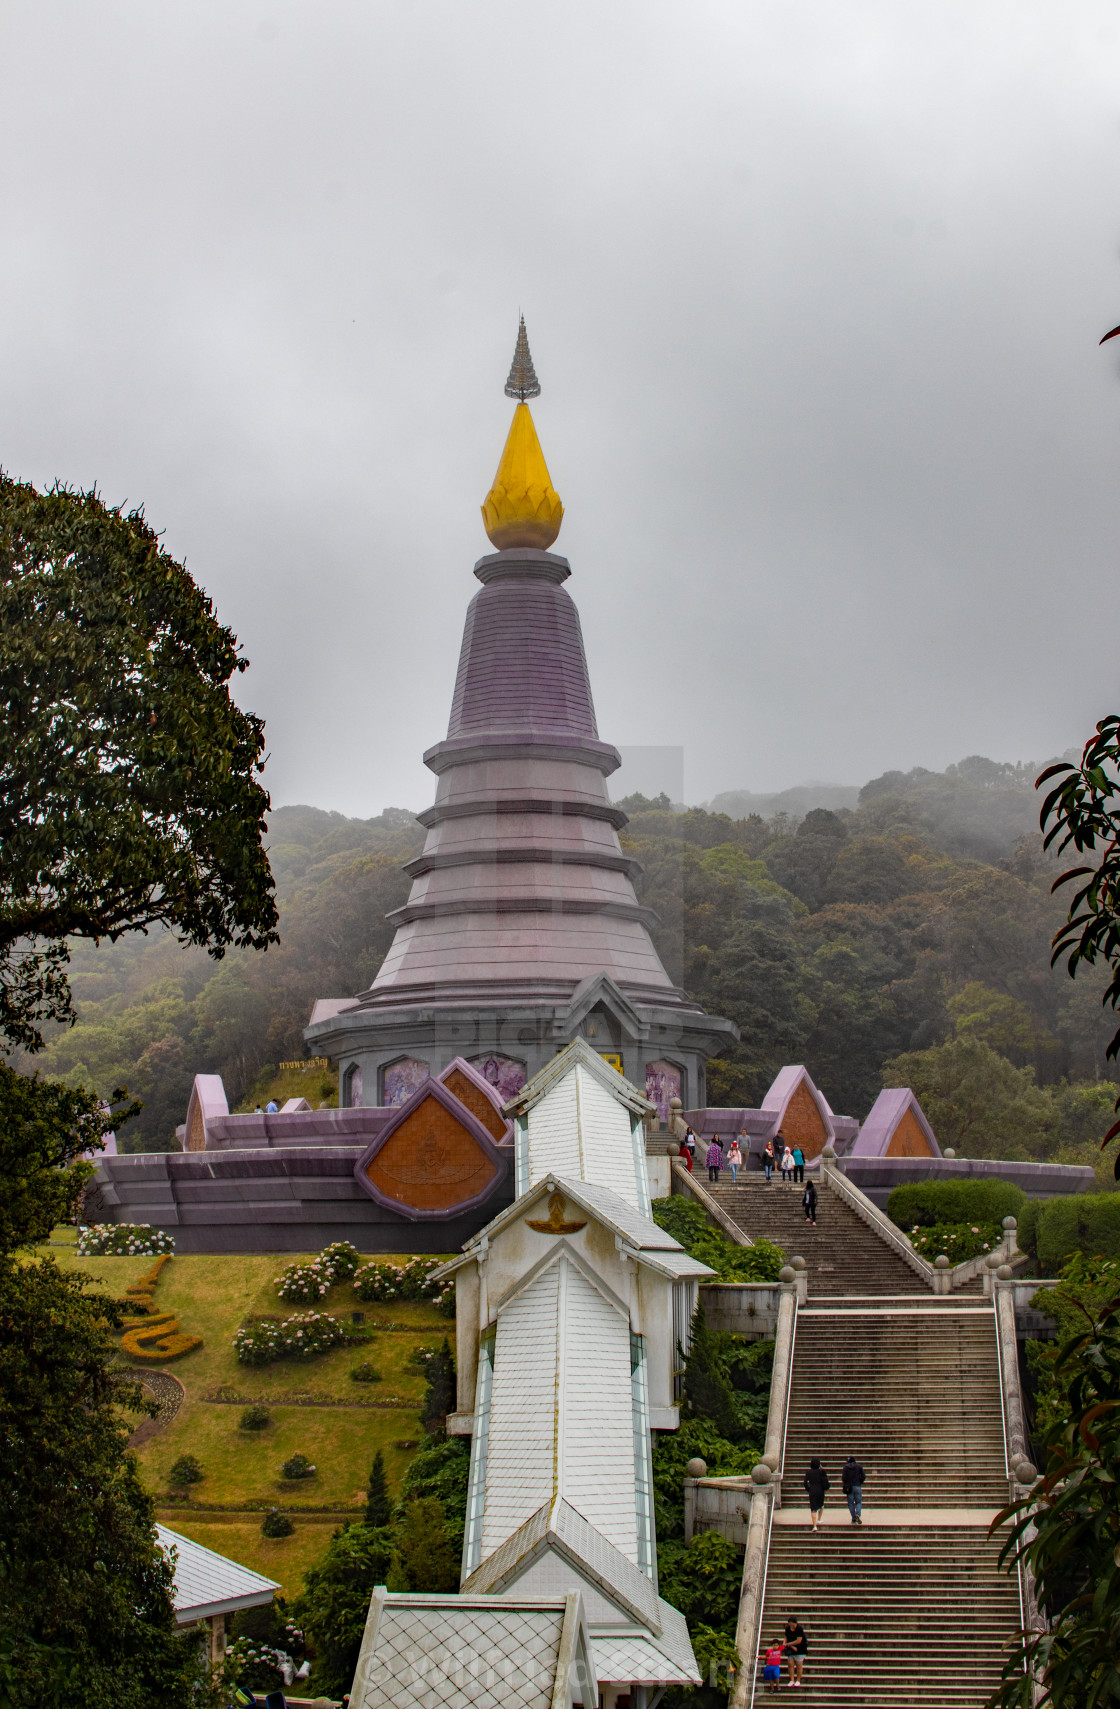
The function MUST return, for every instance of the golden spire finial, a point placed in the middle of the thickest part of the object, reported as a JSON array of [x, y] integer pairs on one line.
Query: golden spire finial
[[522, 508]]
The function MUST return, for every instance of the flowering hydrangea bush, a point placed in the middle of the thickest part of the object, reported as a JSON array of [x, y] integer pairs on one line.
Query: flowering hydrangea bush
[[411, 1281], [957, 1240], [303, 1336], [257, 1667], [123, 1240], [303, 1283]]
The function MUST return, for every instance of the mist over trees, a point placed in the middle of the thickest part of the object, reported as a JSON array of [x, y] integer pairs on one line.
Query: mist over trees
[[904, 940]]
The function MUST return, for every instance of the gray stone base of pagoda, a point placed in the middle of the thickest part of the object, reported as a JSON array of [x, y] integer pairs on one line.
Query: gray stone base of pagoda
[[371, 1041]]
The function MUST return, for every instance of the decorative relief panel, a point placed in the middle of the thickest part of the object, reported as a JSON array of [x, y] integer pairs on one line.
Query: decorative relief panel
[[663, 1081], [400, 1079]]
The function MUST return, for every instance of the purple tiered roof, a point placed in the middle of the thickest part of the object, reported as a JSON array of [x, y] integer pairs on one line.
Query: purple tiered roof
[[522, 891]]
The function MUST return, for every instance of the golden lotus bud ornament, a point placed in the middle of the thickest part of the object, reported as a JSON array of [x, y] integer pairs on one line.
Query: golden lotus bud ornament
[[522, 507]]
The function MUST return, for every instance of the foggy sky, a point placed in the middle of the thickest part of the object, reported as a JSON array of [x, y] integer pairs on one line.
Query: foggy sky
[[813, 291]]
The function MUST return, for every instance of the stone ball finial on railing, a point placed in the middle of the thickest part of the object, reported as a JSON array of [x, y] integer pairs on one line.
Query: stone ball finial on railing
[[1010, 1222], [1005, 1272], [1025, 1470], [829, 1153], [941, 1262], [761, 1474], [949, 1152], [675, 1104], [697, 1468], [799, 1263], [787, 1274], [773, 1461], [994, 1260]]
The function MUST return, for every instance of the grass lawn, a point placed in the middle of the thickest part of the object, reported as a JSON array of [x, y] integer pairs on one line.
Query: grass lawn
[[211, 1296]]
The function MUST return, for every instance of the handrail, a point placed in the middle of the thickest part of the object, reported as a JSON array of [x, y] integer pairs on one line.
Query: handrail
[[876, 1220], [687, 1183]]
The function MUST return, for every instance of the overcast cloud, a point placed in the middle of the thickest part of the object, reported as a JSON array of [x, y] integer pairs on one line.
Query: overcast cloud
[[814, 293]]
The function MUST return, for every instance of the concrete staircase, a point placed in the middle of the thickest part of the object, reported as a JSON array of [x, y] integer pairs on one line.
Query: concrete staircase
[[844, 1256], [916, 1618], [910, 1609], [912, 1391]]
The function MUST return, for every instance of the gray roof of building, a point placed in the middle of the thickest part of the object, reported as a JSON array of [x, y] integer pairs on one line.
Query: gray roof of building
[[207, 1583], [558, 1526], [462, 1652]]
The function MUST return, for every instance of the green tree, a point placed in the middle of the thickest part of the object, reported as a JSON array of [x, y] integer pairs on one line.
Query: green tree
[[379, 1509], [334, 1603], [976, 1100], [439, 1399], [707, 1387], [85, 1595], [1074, 1551], [1082, 810], [425, 1557], [129, 792]]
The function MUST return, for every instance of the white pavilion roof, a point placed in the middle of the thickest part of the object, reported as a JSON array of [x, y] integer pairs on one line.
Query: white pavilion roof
[[207, 1583]]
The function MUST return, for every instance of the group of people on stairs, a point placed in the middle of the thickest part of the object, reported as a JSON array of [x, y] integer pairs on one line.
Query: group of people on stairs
[[793, 1645], [778, 1154]]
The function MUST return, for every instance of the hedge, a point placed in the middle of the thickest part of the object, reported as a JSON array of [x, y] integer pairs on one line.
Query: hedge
[[930, 1203], [1052, 1230]]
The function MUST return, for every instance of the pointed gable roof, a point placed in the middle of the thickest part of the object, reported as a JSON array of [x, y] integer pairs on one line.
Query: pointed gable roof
[[481, 1099], [578, 1053], [652, 1245], [793, 1099], [599, 990], [896, 1126], [434, 1156], [557, 1527]]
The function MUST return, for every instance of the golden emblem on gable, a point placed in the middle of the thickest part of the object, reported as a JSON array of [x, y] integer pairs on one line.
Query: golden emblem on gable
[[555, 1223]]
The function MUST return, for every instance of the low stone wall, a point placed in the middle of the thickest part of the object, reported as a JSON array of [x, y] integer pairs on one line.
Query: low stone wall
[[294, 1199], [717, 1504], [741, 1308]]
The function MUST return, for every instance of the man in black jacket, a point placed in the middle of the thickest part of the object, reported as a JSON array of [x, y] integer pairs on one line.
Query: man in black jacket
[[854, 1476]]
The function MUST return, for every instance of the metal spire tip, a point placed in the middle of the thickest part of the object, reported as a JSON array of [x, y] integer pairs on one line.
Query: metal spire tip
[[522, 382]]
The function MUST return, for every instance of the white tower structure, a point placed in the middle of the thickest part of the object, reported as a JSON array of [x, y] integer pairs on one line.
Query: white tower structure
[[570, 1307]]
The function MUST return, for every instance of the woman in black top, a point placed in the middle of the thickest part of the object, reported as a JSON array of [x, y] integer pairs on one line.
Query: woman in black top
[[816, 1482], [795, 1644]]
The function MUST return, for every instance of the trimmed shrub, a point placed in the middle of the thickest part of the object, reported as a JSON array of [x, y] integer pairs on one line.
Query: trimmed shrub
[[299, 1466], [123, 1240], [957, 1240], [1055, 1229], [342, 1259], [302, 1283], [931, 1203], [411, 1281], [254, 1418], [276, 1524], [157, 1338], [304, 1336], [365, 1373], [186, 1470]]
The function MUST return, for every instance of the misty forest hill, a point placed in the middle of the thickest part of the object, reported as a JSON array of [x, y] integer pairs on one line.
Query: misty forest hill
[[901, 940]]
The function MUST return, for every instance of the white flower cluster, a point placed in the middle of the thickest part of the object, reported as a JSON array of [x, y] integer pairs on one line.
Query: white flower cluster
[[123, 1240], [303, 1336], [411, 1281], [243, 1654], [306, 1282]]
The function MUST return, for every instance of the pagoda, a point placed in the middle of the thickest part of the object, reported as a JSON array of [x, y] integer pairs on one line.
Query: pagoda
[[522, 930]]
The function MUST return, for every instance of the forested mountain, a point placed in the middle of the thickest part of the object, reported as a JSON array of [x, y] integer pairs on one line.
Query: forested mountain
[[907, 937]]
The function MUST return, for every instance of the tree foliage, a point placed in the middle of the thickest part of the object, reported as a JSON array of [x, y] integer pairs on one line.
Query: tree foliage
[[1067, 1530], [1083, 810], [85, 1595], [129, 792]]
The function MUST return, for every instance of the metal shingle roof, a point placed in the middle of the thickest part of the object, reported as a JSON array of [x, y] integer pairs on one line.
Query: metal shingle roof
[[207, 1583]]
